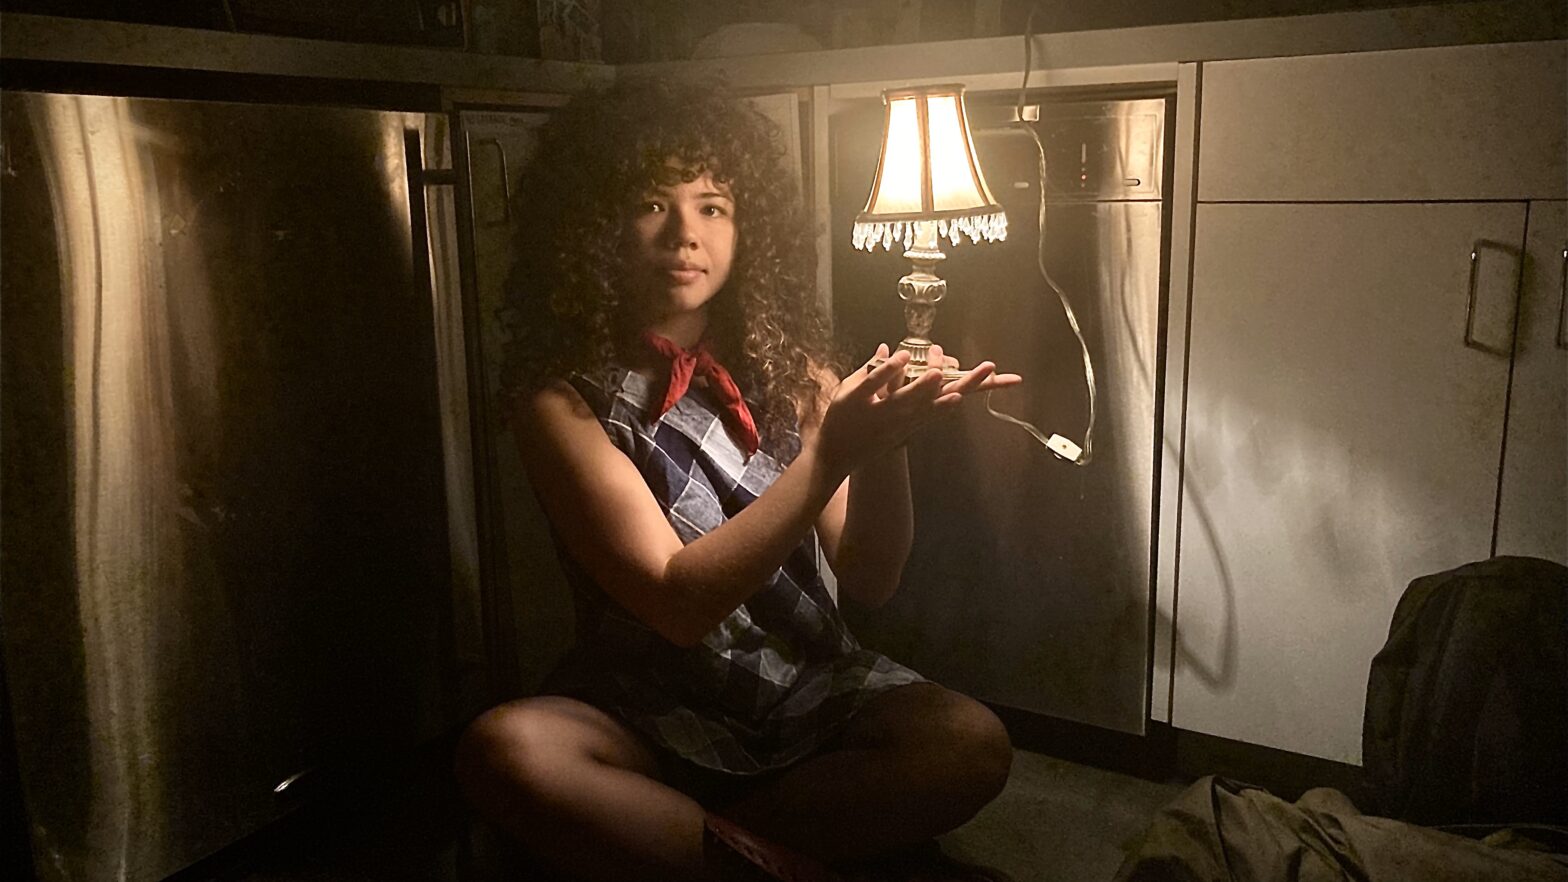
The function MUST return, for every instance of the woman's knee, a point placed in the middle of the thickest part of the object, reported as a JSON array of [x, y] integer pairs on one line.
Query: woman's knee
[[517, 753], [975, 745], [495, 748], [955, 742]]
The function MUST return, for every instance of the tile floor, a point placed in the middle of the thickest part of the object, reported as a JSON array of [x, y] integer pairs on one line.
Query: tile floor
[[1058, 821]]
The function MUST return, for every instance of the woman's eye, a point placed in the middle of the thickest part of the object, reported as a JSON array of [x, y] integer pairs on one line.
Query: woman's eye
[[715, 210], [650, 206]]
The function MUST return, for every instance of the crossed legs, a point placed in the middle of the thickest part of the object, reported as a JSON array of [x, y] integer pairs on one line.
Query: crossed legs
[[576, 787]]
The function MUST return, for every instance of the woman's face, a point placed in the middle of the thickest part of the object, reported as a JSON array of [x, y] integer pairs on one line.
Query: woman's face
[[679, 246]]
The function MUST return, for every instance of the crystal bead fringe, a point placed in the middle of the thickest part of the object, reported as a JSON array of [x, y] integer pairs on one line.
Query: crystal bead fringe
[[990, 227]]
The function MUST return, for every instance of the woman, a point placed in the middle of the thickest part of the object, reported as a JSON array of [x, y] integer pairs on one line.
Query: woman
[[681, 421]]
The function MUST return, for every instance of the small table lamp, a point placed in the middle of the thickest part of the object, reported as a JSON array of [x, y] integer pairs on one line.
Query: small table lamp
[[928, 185]]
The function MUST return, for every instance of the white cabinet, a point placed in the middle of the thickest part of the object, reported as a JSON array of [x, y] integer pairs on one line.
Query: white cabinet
[[1359, 255], [1342, 439], [1532, 516], [1451, 123]]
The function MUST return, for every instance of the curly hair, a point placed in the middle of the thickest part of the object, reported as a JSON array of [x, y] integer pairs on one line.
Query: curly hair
[[566, 313]]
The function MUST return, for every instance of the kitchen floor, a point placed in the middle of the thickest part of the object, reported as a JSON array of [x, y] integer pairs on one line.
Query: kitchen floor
[[1056, 820]]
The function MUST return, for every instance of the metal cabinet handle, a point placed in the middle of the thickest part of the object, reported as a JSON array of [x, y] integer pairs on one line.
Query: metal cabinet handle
[[287, 783], [1562, 304], [1483, 245], [414, 163], [419, 178], [506, 184]]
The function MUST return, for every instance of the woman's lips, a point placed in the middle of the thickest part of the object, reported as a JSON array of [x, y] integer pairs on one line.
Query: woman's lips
[[683, 275]]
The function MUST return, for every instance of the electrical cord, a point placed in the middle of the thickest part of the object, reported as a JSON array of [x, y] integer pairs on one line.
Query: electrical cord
[[1057, 444]]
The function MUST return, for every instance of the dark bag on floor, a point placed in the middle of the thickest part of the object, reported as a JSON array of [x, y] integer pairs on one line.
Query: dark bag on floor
[[1467, 703], [1223, 831]]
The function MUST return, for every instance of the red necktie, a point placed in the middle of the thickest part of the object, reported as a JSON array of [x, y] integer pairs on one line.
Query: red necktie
[[684, 364]]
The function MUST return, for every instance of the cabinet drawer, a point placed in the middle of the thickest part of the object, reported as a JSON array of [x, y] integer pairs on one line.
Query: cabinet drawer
[[1450, 123]]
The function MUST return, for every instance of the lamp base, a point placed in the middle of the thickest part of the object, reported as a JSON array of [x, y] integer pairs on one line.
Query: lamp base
[[912, 370]]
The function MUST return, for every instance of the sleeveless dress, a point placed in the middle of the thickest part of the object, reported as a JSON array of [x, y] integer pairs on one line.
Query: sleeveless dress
[[773, 681]]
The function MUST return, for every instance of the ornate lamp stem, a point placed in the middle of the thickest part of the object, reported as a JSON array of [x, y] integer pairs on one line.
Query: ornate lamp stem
[[920, 291]]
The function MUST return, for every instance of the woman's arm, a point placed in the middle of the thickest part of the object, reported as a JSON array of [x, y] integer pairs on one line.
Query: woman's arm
[[613, 526], [868, 527]]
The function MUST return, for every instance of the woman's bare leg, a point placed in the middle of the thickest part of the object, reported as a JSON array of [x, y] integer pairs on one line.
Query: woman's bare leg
[[916, 762], [577, 788]]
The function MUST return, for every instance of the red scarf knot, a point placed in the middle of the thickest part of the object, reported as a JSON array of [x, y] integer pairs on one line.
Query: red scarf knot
[[687, 363]]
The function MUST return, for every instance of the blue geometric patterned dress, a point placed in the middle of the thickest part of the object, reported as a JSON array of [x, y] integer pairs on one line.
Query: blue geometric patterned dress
[[775, 679]]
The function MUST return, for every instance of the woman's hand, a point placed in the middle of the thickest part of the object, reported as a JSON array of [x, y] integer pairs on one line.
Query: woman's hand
[[989, 380], [875, 409]]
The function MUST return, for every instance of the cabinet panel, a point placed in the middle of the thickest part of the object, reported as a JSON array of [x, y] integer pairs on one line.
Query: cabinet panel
[[535, 612], [1452, 123], [1533, 514], [1341, 440]]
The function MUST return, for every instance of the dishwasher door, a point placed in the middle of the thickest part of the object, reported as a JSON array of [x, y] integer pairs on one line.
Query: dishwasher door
[[1030, 582]]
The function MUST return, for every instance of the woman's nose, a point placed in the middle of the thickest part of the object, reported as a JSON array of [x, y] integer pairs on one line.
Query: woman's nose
[[678, 230]]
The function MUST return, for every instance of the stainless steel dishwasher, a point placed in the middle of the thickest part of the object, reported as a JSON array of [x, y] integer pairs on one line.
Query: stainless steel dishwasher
[[1030, 582]]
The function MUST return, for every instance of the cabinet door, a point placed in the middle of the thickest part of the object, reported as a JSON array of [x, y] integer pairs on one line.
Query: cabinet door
[[531, 606], [1342, 439], [1532, 517], [1452, 122]]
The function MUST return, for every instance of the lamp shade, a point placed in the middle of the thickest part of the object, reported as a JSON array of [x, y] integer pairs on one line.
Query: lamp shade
[[927, 171]]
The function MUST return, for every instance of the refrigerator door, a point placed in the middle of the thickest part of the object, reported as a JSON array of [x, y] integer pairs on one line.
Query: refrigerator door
[[1030, 582], [227, 567]]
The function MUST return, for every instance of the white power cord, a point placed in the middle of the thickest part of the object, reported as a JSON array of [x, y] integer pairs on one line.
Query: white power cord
[[1057, 444]]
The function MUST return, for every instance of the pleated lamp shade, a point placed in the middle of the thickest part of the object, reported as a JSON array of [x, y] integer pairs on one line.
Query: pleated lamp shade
[[927, 171]]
